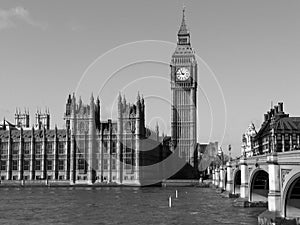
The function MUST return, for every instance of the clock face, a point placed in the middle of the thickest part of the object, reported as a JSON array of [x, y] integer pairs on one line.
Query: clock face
[[183, 74]]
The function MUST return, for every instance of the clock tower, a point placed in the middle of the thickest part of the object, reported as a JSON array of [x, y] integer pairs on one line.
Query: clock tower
[[184, 96]]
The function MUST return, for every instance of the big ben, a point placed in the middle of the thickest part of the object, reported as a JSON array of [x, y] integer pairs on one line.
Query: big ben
[[184, 96]]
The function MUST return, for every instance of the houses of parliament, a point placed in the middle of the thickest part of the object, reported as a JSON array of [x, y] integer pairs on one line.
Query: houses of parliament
[[90, 150]]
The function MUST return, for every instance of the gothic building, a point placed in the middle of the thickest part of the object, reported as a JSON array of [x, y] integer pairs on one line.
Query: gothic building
[[184, 96], [121, 151], [105, 150], [88, 151]]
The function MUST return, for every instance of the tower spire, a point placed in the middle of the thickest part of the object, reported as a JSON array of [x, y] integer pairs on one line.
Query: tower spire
[[183, 30], [183, 33]]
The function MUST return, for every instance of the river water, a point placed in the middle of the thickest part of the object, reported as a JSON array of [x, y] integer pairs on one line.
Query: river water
[[120, 205]]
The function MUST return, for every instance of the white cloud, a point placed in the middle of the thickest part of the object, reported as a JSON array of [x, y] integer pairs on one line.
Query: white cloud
[[10, 17]]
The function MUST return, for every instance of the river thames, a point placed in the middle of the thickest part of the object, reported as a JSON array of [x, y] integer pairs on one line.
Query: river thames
[[120, 205]]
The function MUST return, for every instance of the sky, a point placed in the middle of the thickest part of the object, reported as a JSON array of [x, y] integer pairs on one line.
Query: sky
[[248, 55]]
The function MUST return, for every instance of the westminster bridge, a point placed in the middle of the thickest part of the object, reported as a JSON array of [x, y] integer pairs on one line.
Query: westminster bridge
[[273, 179]]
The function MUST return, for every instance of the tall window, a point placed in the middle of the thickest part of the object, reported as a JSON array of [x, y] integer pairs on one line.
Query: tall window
[[15, 148], [105, 147], [38, 148], [113, 164], [105, 164], [15, 165], [3, 148], [61, 165], [81, 164], [49, 164], [27, 148], [61, 147], [3, 165], [37, 164], [26, 165], [128, 165], [114, 146], [49, 147]]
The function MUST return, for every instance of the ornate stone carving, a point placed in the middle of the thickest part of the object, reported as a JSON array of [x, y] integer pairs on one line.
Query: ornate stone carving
[[284, 172]]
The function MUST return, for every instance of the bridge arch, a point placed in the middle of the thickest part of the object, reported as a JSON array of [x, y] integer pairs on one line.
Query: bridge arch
[[259, 185], [291, 195], [236, 181]]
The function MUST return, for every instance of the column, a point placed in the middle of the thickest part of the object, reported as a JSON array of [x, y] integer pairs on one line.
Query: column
[[109, 146], [137, 141], [32, 158], [193, 130], [118, 158], [44, 158], [229, 185], [67, 152], [101, 155], [55, 154], [73, 160], [137, 155], [73, 142], [9, 158], [274, 201], [217, 175], [208, 171], [213, 176], [119, 141], [244, 192], [283, 142], [222, 178], [21, 155], [91, 141]]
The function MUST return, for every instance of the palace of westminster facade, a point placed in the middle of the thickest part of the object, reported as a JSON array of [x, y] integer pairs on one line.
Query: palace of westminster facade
[[91, 151]]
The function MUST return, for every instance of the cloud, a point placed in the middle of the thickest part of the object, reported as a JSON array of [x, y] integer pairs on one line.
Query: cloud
[[10, 17]]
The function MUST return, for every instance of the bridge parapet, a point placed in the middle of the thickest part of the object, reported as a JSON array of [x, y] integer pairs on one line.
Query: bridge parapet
[[274, 177]]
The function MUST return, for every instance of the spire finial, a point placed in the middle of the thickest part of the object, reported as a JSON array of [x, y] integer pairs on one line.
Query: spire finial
[[92, 97], [124, 100], [119, 98], [138, 98], [183, 28]]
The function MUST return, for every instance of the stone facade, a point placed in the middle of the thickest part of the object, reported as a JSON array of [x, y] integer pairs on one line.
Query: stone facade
[[247, 141], [278, 133], [184, 96], [88, 151]]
